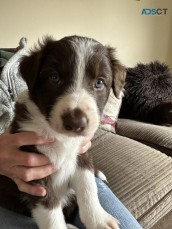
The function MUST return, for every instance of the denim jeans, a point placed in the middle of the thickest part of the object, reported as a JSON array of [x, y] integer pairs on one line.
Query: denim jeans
[[11, 220]]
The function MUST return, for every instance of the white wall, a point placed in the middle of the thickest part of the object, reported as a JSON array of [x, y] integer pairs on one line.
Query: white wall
[[118, 23]]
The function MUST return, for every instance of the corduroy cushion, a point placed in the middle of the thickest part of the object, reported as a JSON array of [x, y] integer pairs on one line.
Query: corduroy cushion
[[153, 134], [140, 176]]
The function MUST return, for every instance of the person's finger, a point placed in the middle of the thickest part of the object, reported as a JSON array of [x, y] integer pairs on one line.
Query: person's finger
[[29, 159], [29, 188], [85, 147], [28, 174], [29, 138]]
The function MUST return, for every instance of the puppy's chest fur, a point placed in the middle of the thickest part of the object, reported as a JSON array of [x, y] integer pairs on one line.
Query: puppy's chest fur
[[63, 154], [58, 184]]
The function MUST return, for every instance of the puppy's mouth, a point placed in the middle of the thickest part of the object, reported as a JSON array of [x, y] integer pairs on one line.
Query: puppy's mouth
[[75, 115], [75, 122]]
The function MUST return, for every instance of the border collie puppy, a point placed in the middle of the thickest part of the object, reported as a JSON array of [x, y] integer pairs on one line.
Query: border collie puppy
[[68, 85]]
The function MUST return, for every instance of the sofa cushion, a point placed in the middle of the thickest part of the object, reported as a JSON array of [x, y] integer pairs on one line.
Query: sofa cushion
[[140, 176], [154, 135]]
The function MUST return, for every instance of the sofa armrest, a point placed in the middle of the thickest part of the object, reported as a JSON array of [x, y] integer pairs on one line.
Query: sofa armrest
[[159, 137]]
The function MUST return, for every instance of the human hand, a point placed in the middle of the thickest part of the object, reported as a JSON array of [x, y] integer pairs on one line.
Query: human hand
[[24, 167]]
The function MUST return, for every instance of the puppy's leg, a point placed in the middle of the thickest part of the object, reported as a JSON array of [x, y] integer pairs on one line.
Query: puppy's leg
[[91, 212], [49, 218]]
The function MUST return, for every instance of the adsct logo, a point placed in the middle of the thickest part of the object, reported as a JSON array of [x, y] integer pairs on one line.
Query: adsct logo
[[154, 12]]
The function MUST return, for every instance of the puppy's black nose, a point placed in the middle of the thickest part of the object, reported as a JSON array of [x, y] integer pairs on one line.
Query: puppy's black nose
[[75, 120]]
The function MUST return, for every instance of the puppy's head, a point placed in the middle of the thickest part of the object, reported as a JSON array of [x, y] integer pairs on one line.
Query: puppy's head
[[70, 80]]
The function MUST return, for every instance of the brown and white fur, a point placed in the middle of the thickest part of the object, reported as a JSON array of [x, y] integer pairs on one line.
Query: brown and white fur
[[68, 85]]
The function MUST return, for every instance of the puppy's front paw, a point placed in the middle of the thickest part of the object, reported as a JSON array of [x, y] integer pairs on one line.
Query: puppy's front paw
[[104, 221], [111, 222]]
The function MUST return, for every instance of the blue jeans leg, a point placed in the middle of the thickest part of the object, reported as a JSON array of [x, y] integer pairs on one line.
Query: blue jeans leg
[[11, 220], [113, 206]]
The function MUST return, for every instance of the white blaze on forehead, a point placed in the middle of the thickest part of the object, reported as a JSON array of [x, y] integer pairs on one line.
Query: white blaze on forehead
[[83, 49]]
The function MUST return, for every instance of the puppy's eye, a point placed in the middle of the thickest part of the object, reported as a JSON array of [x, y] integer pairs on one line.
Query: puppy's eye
[[99, 84], [55, 78]]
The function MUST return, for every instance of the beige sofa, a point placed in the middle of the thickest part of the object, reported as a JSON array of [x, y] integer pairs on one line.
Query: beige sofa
[[138, 169]]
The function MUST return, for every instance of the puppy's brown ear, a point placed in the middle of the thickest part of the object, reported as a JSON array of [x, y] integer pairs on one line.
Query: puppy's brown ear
[[118, 71], [29, 68], [30, 65]]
